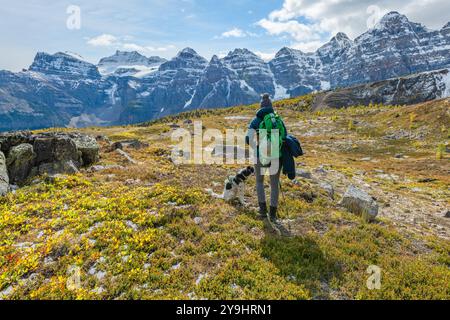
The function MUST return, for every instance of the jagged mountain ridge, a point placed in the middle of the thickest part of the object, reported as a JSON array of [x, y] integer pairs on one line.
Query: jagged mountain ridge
[[133, 64], [62, 89]]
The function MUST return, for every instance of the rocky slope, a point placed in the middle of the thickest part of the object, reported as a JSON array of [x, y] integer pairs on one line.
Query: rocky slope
[[64, 90], [412, 89]]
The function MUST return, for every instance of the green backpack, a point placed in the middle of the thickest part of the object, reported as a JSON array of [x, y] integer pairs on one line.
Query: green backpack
[[270, 146]]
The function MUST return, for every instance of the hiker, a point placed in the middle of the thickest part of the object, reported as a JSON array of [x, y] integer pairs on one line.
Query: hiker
[[284, 159]]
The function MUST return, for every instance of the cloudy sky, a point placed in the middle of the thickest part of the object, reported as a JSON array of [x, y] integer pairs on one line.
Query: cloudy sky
[[96, 28]]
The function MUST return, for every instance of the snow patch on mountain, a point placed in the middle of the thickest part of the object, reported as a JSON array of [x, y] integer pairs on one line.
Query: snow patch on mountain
[[325, 85], [112, 94], [124, 63], [280, 92]]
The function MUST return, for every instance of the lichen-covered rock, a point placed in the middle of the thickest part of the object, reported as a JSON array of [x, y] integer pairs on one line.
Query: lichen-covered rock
[[9, 140], [65, 149], [46, 153], [88, 147], [43, 147], [60, 167], [4, 179], [359, 202], [20, 161]]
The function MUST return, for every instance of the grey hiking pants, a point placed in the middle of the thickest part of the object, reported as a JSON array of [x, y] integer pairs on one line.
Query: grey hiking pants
[[274, 185]]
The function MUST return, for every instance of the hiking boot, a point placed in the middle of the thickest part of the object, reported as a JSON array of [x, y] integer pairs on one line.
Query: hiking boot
[[273, 214], [262, 210]]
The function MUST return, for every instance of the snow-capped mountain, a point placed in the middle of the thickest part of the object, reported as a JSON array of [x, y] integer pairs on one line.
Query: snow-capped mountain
[[394, 47], [129, 64], [65, 90], [64, 65]]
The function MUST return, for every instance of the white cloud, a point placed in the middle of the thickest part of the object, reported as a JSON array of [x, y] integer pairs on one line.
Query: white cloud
[[107, 40], [236, 33], [311, 46], [160, 49], [265, 56], [297, 30], [104, 40], [310, 23]]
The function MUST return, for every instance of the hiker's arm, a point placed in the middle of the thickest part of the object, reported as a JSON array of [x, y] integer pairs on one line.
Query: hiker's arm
[[252, 130], [250, 137]]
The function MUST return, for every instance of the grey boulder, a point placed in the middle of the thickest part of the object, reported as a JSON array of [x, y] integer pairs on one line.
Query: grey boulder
[[59, 167], [360, 203], [4, 180], [20, 161], [88, 147]]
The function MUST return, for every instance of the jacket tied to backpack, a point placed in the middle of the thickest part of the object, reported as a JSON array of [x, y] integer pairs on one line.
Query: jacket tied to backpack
[[266, 121]]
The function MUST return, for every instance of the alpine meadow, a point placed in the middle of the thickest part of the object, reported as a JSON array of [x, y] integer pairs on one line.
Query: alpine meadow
[[311, 163]]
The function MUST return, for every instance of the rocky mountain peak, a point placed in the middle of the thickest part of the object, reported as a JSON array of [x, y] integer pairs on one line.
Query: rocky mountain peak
[[393, 21], [447, 26], [242, 58], [215, 60], [394, 17], [186, 58], [65, 64], [242, 52], [129, 63], [341, 36], [125, 57], [335, 48], [339, 41], [188, 53], [393, 24], [289, 52]]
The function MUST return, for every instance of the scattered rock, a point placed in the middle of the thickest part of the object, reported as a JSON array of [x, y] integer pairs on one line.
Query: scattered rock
[[7, 292], [174, 126], [126, 156], [99, 168], [399, 156], [321, 170], [198, 220], [98, 290], [447, 215], [328, 188], [132, 182], [20, 162], [4, 179], [237, 118], [304, 174], [359, 202], [388, 177], [232, 152], [427, 180], [134, 144]]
